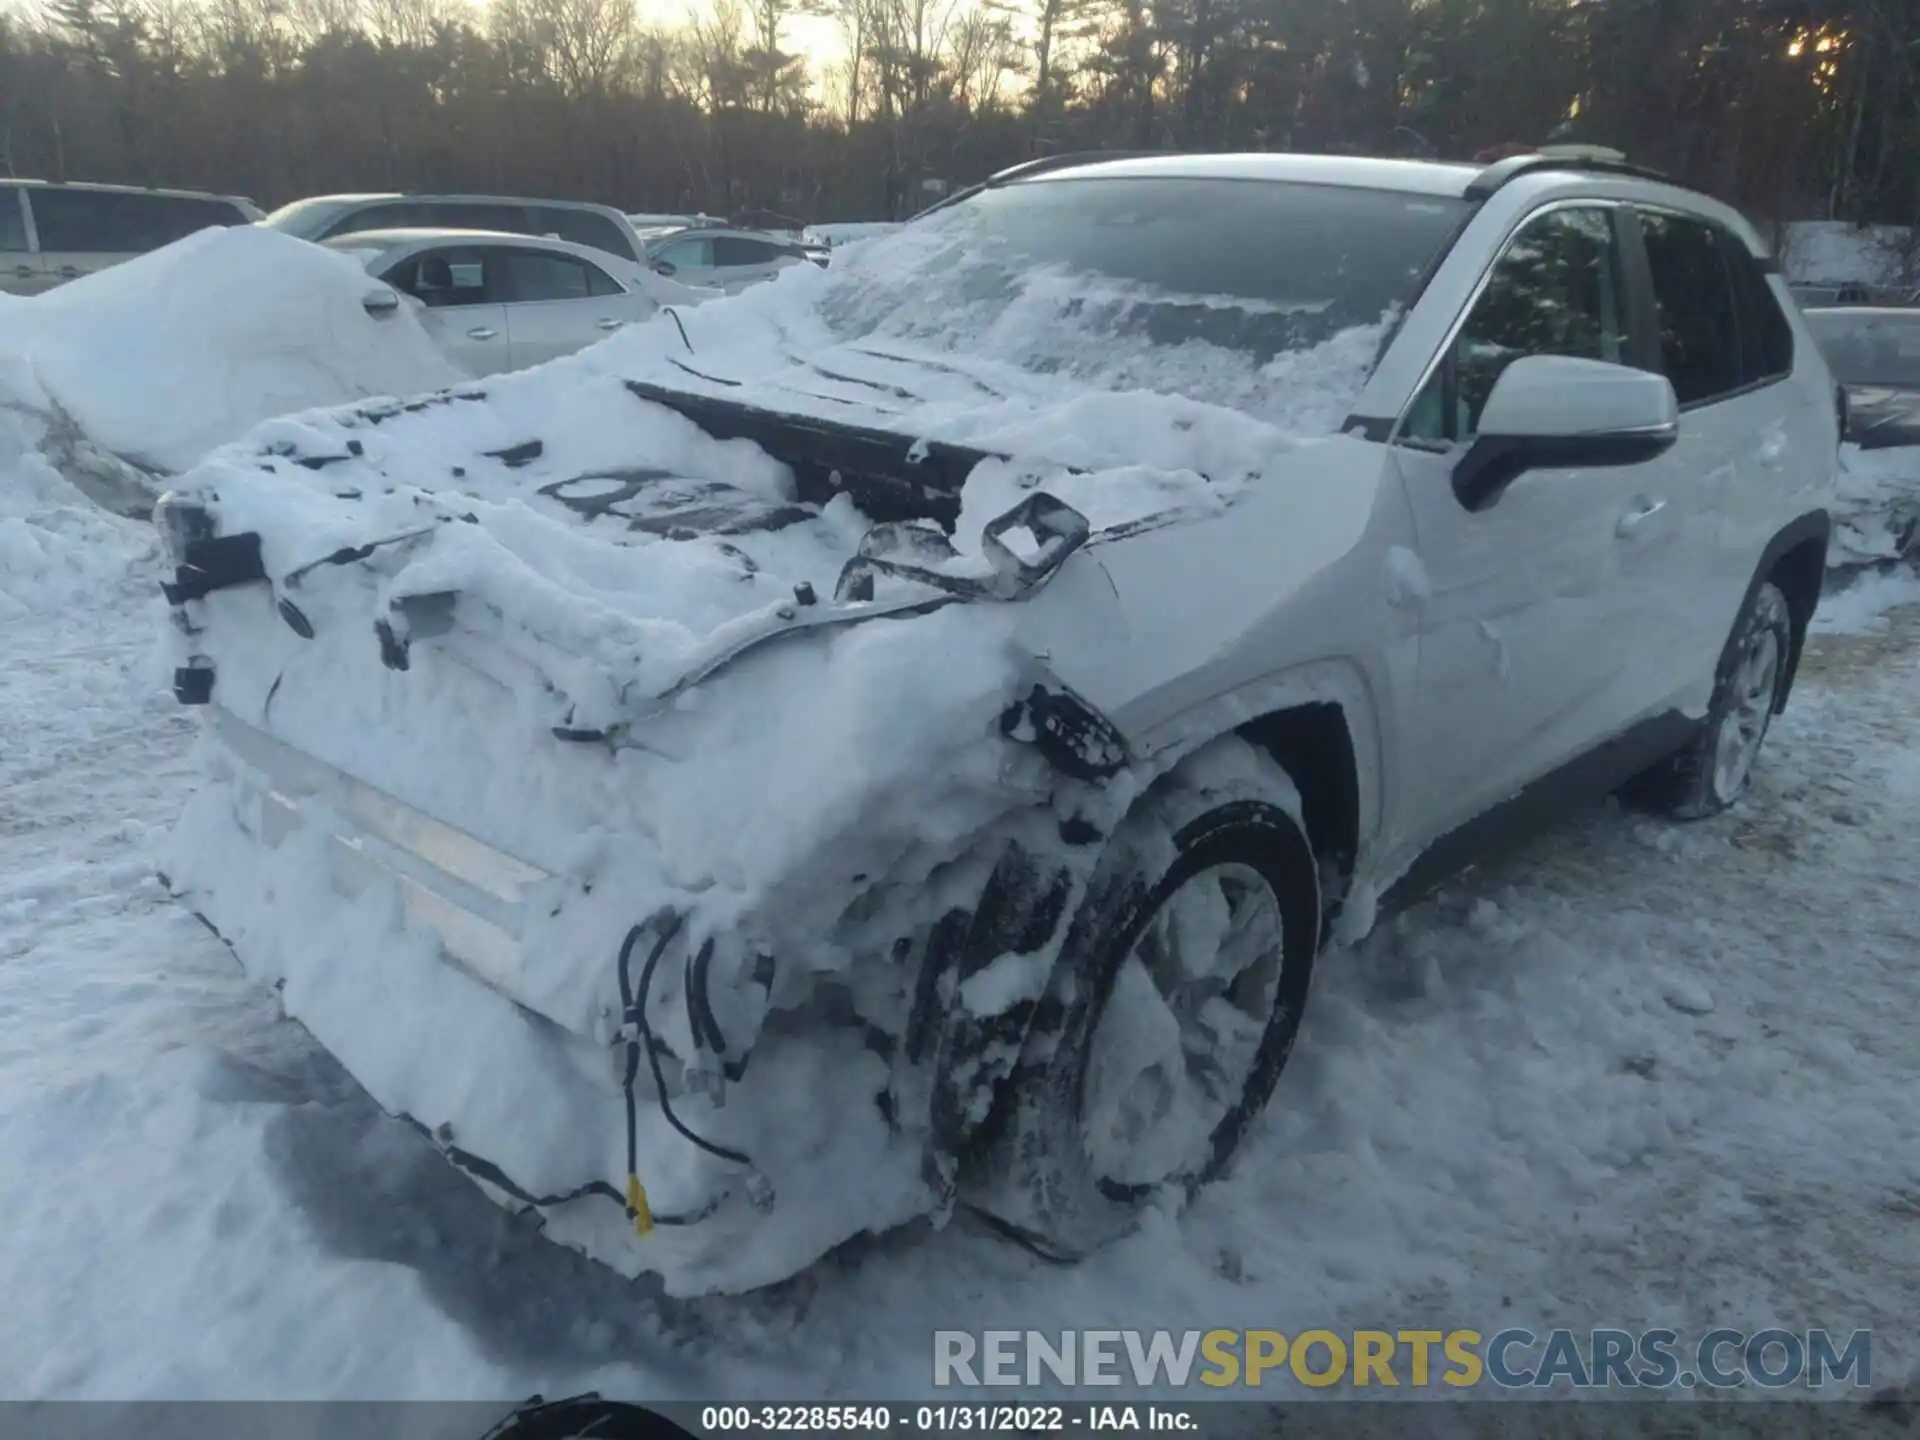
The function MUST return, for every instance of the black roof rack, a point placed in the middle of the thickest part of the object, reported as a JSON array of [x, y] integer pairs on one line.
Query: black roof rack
[[1573, 157]]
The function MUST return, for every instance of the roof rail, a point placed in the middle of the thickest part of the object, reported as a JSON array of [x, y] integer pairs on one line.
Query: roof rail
[[1063, 160], [1556, 157], [1039, 166]]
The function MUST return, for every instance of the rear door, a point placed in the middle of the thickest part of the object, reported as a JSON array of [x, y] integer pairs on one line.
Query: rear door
[[1526, 619], [464, 289], [1744, 432], [559, 303]]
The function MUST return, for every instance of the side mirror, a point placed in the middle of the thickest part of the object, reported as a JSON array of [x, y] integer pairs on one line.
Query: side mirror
[[1559, 413], [380, 304], [664, 267]]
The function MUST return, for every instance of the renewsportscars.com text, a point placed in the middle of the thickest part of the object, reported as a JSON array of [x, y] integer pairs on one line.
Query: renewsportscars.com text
[[1510, 1359]]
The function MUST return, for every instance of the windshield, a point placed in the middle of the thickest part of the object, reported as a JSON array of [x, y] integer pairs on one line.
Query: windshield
[[1870, 349], [302, 217], [1213, 287]]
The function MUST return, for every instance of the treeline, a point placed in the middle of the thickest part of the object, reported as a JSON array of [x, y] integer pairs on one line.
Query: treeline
[[1793, 108]]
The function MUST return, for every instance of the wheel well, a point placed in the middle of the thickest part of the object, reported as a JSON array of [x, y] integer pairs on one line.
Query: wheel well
[[1313, 745], [1798, 573]]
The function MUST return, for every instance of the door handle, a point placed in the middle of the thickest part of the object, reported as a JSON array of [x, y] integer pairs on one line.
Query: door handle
[[609, 324], [481, 332], [1772, 451], [25, 272], [72, 272], [1634, 519]]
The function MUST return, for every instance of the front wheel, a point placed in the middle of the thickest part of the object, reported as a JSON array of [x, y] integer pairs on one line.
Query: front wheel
[[1173, 1008], [1715, 769]]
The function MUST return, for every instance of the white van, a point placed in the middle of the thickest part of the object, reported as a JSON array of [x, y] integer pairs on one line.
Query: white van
[[50, 234]]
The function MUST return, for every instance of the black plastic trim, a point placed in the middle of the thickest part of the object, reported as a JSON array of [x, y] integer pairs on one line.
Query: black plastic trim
[[215, 563], [1493, 462], [1541, 806]]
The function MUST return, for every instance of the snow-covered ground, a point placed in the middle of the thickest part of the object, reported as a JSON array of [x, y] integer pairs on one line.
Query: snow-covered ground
[[1639, 1075]]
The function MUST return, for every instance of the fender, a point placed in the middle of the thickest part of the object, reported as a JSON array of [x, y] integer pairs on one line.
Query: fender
[[1815, 525]]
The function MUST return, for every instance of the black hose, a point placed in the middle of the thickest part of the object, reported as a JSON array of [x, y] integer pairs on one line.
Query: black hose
[[636, 1016]]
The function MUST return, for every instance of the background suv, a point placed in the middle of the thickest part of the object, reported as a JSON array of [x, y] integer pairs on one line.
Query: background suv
[[50, 234], [324, 217]]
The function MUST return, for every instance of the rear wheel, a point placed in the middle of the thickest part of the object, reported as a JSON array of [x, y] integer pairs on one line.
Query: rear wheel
[[1173, 1008], [1715, 769]]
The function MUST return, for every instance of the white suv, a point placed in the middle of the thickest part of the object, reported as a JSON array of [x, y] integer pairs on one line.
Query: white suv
[[1225, 584]]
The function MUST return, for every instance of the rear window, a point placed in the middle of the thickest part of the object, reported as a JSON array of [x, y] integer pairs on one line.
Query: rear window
[[1766, 339], [534, 275], [736, 250], [1693, 294]]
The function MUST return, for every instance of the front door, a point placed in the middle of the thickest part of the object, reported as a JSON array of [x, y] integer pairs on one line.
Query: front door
[[464, 290], [1527, 621]]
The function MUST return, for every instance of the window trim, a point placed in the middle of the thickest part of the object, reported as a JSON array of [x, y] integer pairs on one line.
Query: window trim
[[1721, 237], [25, 212], [1614, 206], [1396, 434]]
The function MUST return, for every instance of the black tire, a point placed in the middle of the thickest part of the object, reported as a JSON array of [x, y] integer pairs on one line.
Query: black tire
[[1229, 805], [1692, 785]]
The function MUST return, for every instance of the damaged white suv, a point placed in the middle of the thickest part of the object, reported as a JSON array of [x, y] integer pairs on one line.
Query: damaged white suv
[[901, 736]]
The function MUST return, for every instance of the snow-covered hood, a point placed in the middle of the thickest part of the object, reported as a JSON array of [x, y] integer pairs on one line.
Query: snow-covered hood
[[644, 506]]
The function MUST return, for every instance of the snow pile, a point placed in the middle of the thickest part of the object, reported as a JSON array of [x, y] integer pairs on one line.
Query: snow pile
[[1876, 508], [162, 358], [58, 550]]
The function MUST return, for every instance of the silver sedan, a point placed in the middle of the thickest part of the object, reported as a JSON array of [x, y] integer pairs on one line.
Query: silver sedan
[[493, 301]]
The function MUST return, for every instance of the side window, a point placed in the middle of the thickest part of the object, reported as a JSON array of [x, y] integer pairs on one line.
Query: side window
[[1766, 339], [390, 215], [685, 253], [1555, 290], [88, 221], [461, 215], [1693, 296], [535, 275], [733, 250], [584, 227], [180, 216], [13, 221], [454, 276]]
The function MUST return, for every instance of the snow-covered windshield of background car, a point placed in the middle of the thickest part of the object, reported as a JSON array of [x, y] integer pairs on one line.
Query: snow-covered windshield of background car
[[1217, 287], [1867, 349]]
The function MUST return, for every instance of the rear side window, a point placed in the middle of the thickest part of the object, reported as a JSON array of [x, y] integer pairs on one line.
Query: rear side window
[[13, 221], [177, 216], [1693, 298], [1766, 340], [536, 276], [583, 227]]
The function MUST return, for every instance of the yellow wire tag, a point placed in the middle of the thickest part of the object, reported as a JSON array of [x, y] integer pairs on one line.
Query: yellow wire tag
[[637, 1204]]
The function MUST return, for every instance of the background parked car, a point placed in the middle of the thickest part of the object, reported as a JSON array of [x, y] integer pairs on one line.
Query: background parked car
[[50, 234], [325, 217], [726, 258], [1874, 354], [494, 301]]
